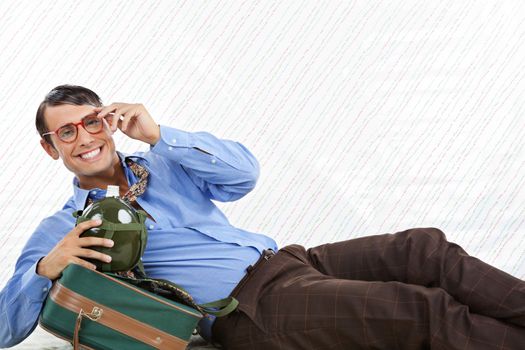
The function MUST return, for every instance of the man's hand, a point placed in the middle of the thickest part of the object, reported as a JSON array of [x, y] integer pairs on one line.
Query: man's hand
[[71, 248], [132, 119]]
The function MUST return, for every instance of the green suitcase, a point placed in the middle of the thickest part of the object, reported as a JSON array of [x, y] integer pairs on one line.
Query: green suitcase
[[95, 310]]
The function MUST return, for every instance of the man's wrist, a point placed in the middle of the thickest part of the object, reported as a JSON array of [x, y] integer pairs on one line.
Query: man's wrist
[[153, 141], [39, 268], [33, 285]]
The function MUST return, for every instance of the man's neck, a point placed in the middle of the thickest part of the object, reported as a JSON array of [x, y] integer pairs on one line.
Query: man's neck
[[113, 176]]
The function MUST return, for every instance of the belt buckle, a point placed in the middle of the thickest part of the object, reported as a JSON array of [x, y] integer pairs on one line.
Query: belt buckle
[[268, 254]]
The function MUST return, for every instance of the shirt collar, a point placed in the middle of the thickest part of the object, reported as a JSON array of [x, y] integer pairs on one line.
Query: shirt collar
[[80, 195]]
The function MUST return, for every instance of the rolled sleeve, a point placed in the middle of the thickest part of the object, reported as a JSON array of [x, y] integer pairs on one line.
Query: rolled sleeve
[[34, 286], [224, 170], [173, 143]]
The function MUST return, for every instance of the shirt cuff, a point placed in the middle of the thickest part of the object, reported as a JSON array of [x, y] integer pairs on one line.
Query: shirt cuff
[[34, 286], [173, 143]]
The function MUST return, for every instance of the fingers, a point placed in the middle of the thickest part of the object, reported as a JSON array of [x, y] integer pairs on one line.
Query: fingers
[[109, 114], [113, 119], [126, 120], [86, 225], [125, 114], [132, 119], [119, 114], [71, 250], [95, 241], [93, 254], [91, 241], [105, 110]]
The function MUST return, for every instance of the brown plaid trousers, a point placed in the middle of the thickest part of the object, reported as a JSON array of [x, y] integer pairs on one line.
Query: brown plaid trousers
[[409, 290]]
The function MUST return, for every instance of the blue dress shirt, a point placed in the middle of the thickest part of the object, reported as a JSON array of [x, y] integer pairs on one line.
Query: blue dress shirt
[[190, 241]]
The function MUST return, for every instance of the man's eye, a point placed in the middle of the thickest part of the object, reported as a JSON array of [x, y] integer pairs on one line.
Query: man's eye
[[92, 122], [66, 132]]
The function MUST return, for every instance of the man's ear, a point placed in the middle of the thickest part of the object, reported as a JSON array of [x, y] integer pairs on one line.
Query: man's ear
[[50, 149]]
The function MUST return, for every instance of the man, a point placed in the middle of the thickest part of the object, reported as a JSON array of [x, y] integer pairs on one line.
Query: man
[[409, 290]]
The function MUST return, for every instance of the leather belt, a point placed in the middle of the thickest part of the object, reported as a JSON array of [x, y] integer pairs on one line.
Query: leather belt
[[266, 255]]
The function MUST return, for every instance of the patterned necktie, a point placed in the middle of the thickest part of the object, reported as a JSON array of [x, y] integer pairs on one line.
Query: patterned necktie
[[137, 189]]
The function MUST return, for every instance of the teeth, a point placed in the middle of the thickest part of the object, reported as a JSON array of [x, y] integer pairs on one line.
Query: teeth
[[91, 154]]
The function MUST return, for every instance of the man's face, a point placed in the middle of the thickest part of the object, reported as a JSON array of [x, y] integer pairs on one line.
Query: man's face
[[90, 154]]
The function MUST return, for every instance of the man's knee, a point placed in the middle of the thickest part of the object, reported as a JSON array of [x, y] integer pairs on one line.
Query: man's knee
[[435, 234], [427, 237]]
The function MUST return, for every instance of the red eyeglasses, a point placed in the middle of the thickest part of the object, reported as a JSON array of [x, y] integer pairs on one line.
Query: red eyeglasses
[[68, 133]]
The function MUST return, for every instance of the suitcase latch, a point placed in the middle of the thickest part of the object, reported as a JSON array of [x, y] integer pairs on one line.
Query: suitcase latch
[[94, 315]]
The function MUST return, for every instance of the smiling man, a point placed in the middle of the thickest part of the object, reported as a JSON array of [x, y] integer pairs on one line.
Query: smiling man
[[188, 235], [408, 290], [90, 153]]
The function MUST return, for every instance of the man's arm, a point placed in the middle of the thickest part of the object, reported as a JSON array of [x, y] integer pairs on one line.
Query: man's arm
[[21, 301], [23, 296], [224, 170]]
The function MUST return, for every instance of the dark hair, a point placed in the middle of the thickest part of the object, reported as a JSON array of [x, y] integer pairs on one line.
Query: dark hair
[[61, 95]]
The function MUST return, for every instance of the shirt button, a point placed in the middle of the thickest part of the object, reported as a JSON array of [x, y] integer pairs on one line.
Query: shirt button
[[213, 161], [44, 289], [93, 192], [174, 140], [151, 227], [170, 148]]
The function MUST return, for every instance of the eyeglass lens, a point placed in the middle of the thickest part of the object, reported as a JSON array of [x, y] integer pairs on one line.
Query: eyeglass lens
[[91, 123]]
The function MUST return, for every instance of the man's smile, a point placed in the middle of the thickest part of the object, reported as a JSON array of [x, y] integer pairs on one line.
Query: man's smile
[[91, 155]]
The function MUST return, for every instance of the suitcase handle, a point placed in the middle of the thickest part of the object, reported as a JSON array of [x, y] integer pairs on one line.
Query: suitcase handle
[[94, 315]]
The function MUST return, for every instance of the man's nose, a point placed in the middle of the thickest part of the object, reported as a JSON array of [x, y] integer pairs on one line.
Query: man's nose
[[83, 136]]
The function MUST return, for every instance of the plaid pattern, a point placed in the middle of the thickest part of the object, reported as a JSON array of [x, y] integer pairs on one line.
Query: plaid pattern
[[409, 290]]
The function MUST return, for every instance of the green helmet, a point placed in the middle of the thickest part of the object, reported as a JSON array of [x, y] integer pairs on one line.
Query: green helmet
[[121, 223]]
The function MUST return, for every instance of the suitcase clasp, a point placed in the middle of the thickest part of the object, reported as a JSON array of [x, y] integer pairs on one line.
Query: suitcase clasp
[[94, 315]]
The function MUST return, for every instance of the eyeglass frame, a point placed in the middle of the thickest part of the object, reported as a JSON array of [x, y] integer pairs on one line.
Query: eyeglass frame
[[81, 122]]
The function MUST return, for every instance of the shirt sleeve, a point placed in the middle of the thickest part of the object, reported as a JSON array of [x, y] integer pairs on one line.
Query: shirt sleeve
[[23, 296], [224, 170]]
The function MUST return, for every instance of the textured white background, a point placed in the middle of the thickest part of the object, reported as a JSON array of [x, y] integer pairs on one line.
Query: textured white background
[[366, 116]]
